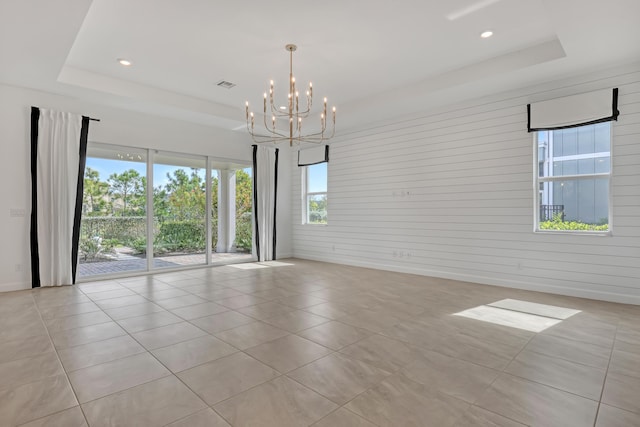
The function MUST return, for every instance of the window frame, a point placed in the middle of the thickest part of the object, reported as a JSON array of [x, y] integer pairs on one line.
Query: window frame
[[306, 193], [537, 180]]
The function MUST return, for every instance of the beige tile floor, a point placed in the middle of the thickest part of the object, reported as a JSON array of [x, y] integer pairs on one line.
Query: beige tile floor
[[308, 344]]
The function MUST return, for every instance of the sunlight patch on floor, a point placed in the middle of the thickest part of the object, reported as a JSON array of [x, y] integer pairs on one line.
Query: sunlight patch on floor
[[276, 263], [248, 266], [524, 315], [256, 265], [535, 308]]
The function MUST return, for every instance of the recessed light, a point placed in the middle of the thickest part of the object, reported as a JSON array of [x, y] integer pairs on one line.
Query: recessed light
[[124, 62], [282, 107], [486, 34]]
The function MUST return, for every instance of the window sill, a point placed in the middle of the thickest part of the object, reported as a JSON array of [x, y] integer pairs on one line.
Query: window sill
[[575, 233]]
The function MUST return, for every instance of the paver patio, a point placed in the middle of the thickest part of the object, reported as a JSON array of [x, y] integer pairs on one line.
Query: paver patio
[[127, 263]]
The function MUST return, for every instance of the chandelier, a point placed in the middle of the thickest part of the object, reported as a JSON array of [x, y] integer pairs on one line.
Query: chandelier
[[290, 113]]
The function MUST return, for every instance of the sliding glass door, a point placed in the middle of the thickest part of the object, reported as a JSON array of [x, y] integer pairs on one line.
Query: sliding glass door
[[179, 210], [147, 210], [113, 237]]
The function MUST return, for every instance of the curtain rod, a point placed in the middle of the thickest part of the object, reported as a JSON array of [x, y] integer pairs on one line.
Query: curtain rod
[[90, 118]]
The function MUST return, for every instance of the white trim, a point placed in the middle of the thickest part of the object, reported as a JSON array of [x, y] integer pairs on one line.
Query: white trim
[[150, 209], [573, 177], [14, 286], [208, 216], [582, 156], [303, 194]]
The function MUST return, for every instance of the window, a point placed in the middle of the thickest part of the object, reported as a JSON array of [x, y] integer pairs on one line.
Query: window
[[572, 180], [315, 194]]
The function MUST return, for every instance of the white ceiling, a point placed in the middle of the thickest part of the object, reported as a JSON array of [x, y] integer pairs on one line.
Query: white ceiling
[[373, 59]]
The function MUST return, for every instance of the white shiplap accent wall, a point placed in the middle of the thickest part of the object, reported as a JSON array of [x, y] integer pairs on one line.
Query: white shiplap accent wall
[[449, 193]]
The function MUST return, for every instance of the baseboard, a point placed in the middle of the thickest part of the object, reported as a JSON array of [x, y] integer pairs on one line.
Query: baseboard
[[284, 255], [14, 286], [516, 284]]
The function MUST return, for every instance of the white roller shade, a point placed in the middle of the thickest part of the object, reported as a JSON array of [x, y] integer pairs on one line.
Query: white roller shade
[[313, 156], [572, 111]]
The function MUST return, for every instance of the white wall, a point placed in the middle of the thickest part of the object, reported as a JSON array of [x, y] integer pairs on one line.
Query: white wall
[[450, 193], [117, 126]]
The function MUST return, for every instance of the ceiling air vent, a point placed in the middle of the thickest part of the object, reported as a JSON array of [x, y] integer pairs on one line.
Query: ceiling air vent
[[225, 84]]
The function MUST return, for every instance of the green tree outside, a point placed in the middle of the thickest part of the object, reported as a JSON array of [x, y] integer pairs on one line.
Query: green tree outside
[[128, 187], [95, 199], [179, 210]]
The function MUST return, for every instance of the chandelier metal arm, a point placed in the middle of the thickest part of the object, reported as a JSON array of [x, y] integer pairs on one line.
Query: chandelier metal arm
[[271, 131]]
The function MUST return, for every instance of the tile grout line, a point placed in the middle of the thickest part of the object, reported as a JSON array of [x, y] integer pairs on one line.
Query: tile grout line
[[55, 349], [171, 373], [604, 382], [332, 352], [502, 371], [186, 385]]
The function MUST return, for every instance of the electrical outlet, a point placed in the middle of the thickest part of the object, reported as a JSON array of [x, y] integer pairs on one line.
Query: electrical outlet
[[17, 212]]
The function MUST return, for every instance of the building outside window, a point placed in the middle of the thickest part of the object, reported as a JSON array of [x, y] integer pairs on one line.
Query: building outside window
[[573, 179]]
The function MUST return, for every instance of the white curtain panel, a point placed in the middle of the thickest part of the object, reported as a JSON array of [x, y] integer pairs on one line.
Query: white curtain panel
[[57, 164], [265, 171]]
